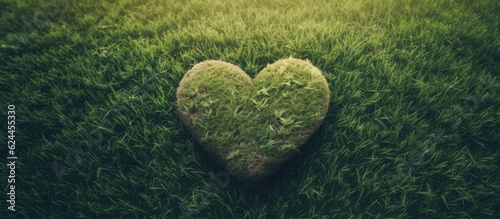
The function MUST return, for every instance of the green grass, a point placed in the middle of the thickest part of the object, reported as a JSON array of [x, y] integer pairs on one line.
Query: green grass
[[252, 126], [412, 129]]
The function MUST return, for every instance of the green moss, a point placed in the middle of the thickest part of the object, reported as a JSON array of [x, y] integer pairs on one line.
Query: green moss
[[254, 124]]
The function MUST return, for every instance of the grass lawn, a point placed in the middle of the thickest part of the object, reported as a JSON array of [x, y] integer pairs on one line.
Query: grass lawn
[[412, 131]]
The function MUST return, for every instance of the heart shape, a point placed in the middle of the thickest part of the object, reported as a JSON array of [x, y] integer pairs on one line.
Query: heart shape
[[252, 126]]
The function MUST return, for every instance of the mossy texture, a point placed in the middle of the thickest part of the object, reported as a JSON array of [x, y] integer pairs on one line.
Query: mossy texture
[[253, 126]]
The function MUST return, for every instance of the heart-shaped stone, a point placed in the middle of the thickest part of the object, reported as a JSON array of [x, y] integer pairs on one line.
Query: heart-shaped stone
[[252, 126]]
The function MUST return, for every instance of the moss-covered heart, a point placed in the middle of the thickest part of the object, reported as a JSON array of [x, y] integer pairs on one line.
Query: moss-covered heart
[[253, 126]]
